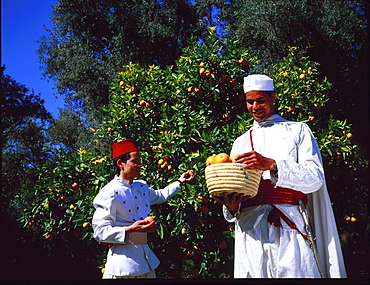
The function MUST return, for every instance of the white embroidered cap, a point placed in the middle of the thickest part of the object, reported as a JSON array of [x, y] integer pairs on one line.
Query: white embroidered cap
[[258, 82]]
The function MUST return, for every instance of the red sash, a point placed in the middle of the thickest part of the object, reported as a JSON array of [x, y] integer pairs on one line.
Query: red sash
[[268, 194]]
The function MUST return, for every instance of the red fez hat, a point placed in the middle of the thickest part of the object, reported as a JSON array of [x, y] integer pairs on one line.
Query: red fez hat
[[123, 147]]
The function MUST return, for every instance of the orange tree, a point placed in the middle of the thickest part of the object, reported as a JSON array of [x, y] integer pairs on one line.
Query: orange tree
[[179, 115], [184, 113]]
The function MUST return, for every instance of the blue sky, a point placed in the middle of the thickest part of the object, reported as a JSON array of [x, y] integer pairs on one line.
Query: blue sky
[[23, 23]]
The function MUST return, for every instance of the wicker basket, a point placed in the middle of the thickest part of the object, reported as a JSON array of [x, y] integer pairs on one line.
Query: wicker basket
[[230, 178]]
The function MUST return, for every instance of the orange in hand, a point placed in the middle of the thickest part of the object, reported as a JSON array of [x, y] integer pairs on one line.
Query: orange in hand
[[150, 219]]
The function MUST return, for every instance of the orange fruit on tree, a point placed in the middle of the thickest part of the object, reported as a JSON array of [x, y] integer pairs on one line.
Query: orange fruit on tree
[[222, 158], [75, 185], [210, 160], [191, 89]]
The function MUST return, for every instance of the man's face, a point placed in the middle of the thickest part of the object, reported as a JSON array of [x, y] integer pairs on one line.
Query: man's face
[[260, 104], [132, 166]]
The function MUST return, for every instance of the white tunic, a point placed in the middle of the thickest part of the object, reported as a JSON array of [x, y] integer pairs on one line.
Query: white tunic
[[265, 251], [118, 205]]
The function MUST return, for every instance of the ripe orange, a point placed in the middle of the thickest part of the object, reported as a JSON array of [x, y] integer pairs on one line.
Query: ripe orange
[[170, 168], [302, 76], [122, 83], [150, 219], [191, 89], [349, 136], [75, 185], [85, 225], [353, 219], [222, 158], [164, 165], [142, 103], [202, 70], [234, 157], [161, 161], [183, 231], [166, 158], [210, 160]]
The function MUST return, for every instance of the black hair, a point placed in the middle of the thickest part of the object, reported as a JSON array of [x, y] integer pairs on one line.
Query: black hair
[[124, 158]]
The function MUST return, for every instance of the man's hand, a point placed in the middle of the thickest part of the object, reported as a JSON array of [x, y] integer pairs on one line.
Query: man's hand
[[143, 226], [231, 201], [255, 160], [187, 177]]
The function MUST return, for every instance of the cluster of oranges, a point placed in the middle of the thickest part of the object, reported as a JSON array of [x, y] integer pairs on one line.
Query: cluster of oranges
[[220, 158], [352, 219], [163, 162]]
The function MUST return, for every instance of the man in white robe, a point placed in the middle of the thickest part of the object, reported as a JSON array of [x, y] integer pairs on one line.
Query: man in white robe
[[288, 156], [119, 219]]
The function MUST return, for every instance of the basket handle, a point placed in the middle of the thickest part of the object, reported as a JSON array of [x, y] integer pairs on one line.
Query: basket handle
[[250, 136]]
